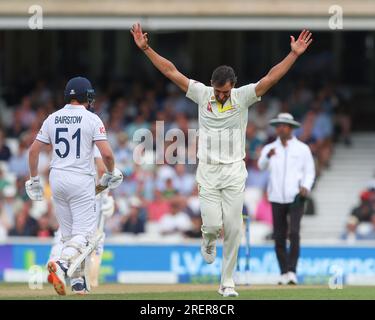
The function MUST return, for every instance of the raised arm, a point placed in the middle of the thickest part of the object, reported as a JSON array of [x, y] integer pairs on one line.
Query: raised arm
[[163, 65], [278, 71]]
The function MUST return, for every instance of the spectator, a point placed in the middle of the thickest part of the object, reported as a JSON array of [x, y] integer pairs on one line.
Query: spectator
[[41, 93], [343, 124], [263, 212], [134, 221], [183, 182], [176, 103], [169, 191], [27, 114], [18, 163], [361, 223], [163, 173], [158, 207], [322, 133], [3, 180], [260, 115], [192, 203], [124, 154], [139, 123], [175, 222], [5, 153], [300, 100], [317, 132], [25, 225], [10, 205], [116, 121], [44, 228], [253, 142], [16, 128]]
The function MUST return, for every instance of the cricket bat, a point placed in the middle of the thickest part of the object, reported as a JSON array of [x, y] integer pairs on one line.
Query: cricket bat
[[99, 188]]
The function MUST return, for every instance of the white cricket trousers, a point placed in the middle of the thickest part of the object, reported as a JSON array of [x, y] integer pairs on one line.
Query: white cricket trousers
[[221, 196], [73, 196]]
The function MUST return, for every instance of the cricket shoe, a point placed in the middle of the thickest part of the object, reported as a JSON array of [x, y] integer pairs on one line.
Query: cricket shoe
[[208, 250], [283, 280], [79, 286], [227, 292], [57, 274], [292, 279], [50, 279]]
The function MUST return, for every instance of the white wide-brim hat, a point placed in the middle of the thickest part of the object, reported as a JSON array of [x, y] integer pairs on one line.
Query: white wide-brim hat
[[285, 118]]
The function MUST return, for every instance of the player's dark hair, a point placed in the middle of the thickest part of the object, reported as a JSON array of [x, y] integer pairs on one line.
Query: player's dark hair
[[222, 75]]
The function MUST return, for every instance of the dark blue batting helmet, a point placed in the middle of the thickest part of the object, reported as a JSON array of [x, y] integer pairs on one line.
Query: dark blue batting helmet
[[80, 89]]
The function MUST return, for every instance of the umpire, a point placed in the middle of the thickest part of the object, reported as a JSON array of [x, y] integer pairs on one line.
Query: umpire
[[292, 174]]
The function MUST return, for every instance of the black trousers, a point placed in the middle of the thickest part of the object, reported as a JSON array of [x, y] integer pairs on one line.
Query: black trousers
[[282, 230]]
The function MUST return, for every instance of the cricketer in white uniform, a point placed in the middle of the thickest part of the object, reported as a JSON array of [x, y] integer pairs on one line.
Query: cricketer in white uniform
[[221, 173], [72, 131], [105, 207]]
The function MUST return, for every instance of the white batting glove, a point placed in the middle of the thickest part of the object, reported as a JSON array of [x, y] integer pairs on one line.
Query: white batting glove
[[34, 189], [107, 206], [112, 179]]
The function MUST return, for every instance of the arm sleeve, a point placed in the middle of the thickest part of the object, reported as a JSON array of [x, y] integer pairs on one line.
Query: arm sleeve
[[43, 133], [99, 130], [195, 91], [309, 170], [263, 161], [247, 95]]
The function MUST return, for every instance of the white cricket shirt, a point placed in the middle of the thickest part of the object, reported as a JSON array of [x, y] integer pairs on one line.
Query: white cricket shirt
[[222, 129], [72, 132], [290, 168]]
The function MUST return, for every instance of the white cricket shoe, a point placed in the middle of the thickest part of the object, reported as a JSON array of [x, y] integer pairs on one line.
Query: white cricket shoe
[[208, 250], [57, 277], [227, 292], [292, 278], [283, 280]]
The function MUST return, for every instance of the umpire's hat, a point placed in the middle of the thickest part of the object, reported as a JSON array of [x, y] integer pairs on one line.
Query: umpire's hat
[[285, 118], [80, 89]]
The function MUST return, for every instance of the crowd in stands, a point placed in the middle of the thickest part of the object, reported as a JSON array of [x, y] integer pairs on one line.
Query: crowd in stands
[[361, 222], [159, 198]]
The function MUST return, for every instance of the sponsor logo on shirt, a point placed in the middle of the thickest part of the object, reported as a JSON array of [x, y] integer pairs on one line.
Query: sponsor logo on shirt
[[209, 107], [102, 130]]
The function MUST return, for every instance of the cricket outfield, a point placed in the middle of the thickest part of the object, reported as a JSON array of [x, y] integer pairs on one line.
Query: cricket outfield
[[190, 292]]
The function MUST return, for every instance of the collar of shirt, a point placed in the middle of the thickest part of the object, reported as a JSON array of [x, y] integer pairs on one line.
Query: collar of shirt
[[229, 104], [290, 141], [76, 106]]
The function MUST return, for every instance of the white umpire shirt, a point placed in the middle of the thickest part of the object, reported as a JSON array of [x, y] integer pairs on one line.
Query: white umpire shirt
[[291, 167]]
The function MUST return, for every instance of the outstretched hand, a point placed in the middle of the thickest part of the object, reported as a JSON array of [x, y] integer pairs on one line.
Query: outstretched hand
[[302, 43], [140, 38]]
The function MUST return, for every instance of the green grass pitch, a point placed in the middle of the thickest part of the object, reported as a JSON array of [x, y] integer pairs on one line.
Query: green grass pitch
[[190, 292]]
